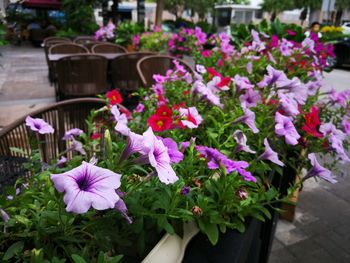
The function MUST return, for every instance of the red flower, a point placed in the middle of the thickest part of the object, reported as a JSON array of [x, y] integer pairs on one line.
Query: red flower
[[312, 122], [159, 123], [164, 111], [114, 97], [225, 81], [96, 136], [180, 105], [213, 72]]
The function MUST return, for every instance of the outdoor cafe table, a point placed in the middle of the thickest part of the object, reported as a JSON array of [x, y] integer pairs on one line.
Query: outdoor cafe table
[[109, 56]]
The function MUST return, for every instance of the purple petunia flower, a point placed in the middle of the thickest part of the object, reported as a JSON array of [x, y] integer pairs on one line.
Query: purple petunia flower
[[185, 190], [71, 133], [78, 146], [88, 185], [286, 47], [250, 98], [288, 104], [284, 127], [139, 108], [270, 154], [318, 170], [39, 125], [4, 215], [120, 206], [201, 69], [336, 138], [241, 140], [242, 83], [273, 76], [249, 119], [346, 126], [61, 162], [158, 157], [249, 67], [216, 159], [294, 86], [175, 155], [206, 92]]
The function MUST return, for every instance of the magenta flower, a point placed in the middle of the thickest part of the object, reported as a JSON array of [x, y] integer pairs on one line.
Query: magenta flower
[[200, 35], [273, 76], [249, 119], [158, 157], [242, 83], [241, 140], [284, 127], [4, 215], [270, 154], [318, 170], [173, 150], [88, 185], [190, 117], [39, 125], [71, 133], [250, 98]]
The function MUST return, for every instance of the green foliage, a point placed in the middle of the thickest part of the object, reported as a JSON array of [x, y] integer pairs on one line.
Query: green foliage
[[125, 31], [80, 16]]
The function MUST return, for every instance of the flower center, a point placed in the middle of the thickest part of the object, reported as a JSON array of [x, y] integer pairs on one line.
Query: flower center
[[83, 183], [160, 123], [37, 126]]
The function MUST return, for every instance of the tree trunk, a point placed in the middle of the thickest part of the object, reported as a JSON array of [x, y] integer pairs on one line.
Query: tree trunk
[[338, 17], [273, 16], [159, 13]]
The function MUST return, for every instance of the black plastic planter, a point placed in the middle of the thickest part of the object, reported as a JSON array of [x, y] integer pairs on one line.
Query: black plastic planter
[[233, 246]]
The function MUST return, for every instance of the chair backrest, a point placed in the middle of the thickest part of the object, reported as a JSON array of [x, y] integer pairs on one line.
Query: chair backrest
[[89, 45], [57, 39], [82, 40], [108, 48], [124, 72], [157, 64], [68, 48], [62, 116], [51, 41], [82, 75]]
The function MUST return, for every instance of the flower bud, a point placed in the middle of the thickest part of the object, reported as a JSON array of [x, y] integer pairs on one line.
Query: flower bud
[[197, 211], [185, 190], [4, 215], [242, 194]]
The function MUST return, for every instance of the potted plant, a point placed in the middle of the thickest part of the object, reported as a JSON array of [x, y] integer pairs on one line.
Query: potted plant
[[205, 149]]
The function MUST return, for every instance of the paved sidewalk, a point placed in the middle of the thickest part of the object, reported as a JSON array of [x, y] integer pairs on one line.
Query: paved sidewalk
[[24, 85], [321, 231]]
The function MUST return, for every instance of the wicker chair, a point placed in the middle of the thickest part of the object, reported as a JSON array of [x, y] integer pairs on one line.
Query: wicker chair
[[157, 64], [49, 42], [108, 48], [124, 72], [62, 116], [81, 75], [57, 39], [82, 40], [68, 48], [89, 45]]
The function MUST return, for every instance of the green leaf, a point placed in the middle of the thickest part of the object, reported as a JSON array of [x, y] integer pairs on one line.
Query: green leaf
[[78, 259], [163, 222], [211, 230], [13, 250]]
